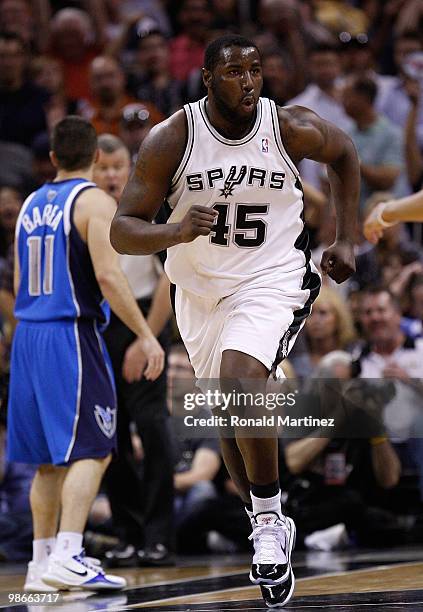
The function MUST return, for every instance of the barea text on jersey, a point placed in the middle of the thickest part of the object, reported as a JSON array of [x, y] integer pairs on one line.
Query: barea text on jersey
[[251, 177], [51, 216]]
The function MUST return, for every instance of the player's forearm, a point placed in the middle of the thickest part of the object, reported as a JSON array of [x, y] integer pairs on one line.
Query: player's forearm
[[134, 236], [344, 179], [116, 291], [161, 308], [409, 208]]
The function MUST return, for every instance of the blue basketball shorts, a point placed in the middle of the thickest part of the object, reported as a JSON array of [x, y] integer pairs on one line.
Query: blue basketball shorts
[[62, 400]]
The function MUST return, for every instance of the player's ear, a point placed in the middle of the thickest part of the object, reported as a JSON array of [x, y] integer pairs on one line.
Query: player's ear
[[96, 156], [207, 77], [53, 159]]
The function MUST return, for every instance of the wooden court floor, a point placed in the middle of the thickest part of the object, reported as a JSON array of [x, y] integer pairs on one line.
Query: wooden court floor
[[353, 581]]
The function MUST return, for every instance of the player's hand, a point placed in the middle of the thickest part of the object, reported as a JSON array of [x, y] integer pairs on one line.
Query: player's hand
[[145, 357], [198, 221], [134, 363], [373, 228], [338, 261]]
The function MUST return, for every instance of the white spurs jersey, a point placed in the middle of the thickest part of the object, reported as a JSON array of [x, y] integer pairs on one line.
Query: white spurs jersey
[[258, 236]]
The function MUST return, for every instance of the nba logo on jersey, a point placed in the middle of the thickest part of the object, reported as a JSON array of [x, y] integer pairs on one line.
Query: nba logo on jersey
[[106, 420], [265, 145], [51, 194]]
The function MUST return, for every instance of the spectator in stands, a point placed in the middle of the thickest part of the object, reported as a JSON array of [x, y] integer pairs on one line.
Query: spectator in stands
[[329, 327], [10, 205], [109, 97], [356, 55], [412, 323], [73, 44], [378, 141], [395, 102], [47, 73], [226, 14], [413, 150], [277, 77], [320, 495], [285, 28], [7, 305], [187, 49], [323, 97], [197, 464], [202, 502], [22, 104], [135, 123], [155, 82], [122, 12], [42, 168], [358, 59], [16, 17], [390, 354], [16, 165], [142, 510]]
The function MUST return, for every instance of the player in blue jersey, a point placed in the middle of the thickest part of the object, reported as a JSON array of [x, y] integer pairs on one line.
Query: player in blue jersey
[[62, 406]]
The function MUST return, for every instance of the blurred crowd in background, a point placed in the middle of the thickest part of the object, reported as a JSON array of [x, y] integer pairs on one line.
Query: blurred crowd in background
[[126, 65]]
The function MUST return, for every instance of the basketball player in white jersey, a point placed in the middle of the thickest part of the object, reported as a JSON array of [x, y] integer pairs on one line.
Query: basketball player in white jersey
[[238, 253]]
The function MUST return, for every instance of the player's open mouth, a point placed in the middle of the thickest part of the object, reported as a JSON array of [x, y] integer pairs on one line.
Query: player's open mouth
[[248, 101]]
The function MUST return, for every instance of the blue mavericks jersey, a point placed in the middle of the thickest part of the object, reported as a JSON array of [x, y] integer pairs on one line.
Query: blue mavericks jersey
[[57, 279]]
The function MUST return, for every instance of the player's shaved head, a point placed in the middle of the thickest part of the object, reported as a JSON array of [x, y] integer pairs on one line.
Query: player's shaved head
[[213, 53]]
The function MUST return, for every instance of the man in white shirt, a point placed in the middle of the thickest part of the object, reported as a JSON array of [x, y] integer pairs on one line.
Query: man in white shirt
[[142, 511], [389, 354], [323, 97]]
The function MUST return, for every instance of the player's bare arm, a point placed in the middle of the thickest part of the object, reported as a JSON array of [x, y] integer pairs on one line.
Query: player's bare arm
[[93, 214], [160, 154], [306, 135], [385, 214]]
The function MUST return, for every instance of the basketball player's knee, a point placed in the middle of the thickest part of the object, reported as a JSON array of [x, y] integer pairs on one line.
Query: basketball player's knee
[[48, 469], [240, 365]]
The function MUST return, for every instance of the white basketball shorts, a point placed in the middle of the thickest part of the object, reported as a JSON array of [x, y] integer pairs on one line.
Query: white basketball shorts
[[261, 322]]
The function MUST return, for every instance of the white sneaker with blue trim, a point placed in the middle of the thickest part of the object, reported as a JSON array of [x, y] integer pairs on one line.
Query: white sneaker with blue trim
[[80, 572]]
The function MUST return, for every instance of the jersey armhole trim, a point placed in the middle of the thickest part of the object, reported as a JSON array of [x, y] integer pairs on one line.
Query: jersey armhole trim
[[188, 149], [70, 201], [279, 143], [22, 211]]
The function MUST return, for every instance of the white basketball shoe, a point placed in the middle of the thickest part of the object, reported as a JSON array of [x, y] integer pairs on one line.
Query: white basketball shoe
[[80, 572], [274, 539], [34, 582]]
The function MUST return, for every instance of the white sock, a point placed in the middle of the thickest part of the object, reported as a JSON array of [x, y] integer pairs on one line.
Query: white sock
[[68, 544], [41, 549], [267, 504]]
